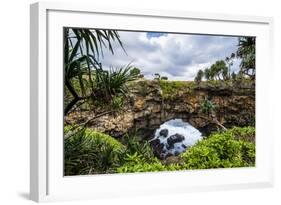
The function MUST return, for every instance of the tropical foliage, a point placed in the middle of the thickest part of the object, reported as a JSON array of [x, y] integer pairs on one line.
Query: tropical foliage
[[110, 83], [247, 52], [220, 150], [83, 74], [91, 152], [199, 76], [207, 106]]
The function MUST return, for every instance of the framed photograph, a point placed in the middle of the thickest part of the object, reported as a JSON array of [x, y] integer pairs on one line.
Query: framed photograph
[[127, 102]]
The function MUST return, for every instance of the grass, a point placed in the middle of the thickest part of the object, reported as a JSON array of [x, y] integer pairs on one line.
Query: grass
[[170, 89]]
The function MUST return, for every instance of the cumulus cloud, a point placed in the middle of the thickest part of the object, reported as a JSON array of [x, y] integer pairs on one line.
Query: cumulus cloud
[[177, 56]]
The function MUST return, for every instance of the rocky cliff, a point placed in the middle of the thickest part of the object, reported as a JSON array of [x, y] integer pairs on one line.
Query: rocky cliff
[[152, 102]]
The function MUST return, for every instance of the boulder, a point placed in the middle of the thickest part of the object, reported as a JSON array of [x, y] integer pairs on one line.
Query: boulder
[[164, 132], [158, 148], [174, 139]]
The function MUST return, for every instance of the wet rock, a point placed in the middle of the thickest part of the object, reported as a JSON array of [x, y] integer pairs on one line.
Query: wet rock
[[164, 132], [169, 147], [158, 148], [155, 142], [174, 139]]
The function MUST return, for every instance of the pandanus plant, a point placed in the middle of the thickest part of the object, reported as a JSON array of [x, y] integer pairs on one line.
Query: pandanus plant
[[247, 52], [208, 108], [82, 50]]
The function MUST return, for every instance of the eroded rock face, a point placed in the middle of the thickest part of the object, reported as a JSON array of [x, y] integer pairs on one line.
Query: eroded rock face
[[148, 108]]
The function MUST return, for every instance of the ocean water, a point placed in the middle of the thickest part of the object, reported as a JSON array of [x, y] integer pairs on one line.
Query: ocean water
[[177, 126]]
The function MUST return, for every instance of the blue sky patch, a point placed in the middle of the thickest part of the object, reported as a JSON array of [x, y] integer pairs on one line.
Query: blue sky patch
[[154, 34]]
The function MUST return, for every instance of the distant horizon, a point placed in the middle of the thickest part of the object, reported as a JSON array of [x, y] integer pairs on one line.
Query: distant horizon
[[176, 56]]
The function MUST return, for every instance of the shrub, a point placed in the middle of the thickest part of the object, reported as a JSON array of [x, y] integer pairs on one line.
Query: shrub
[[145, 167], [135, 71], [135, 145], [222, 150], [137, 163], [164, 78], [207, 106], [244, 133], [112, 82], [143, 88], [117, 102], [90, 152]]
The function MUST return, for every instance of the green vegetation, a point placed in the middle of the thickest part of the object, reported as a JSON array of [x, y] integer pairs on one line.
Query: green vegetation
[[90, 152], [222, 150], [218, 71], [244, 134], [159, 77], [199, 76], [84, 77], [109, 84], [207, 106], [135, 71], [229, 60], [143, 88], [247, 52], [134, 145], [142, 166], [170, 89]]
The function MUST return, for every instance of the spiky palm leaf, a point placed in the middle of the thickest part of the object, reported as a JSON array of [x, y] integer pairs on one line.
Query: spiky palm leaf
[[82, 48], [113, 81], [246, 51]]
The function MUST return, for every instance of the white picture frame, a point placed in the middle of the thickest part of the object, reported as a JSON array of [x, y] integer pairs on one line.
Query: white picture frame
[[47, 182]]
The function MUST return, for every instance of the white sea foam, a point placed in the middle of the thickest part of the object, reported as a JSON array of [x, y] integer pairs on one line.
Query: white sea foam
[[178, 126]]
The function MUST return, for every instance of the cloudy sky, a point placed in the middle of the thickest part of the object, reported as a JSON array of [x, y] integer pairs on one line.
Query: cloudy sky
[[177, 56]]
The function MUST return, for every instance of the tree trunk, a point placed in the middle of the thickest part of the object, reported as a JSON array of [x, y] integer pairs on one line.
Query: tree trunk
[[76, 98], [70, 105]]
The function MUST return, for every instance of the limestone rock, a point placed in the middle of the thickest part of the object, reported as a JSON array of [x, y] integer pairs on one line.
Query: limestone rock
[[148, 109]]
